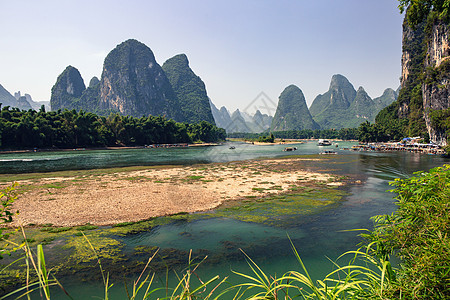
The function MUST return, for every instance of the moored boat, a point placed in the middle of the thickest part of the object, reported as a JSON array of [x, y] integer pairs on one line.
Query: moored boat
[[323, 143], [328, 152]]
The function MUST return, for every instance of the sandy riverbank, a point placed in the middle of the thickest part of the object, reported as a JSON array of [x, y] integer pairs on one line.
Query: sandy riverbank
[[139, 195]]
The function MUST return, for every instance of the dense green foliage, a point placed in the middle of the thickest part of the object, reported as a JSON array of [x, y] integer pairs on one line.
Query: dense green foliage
[[190, 90], [70, 129], [419, 234], [343, 134], [440, 119], [391, 130], [267, 139], [292, 112], [418, 10], [7, 197]]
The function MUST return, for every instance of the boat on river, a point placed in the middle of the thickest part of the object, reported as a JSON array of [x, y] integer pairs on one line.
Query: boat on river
[[323, 143], [290, 149], [327, 152]]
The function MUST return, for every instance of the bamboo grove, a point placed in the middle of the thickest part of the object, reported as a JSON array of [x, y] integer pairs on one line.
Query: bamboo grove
[[71, 129]]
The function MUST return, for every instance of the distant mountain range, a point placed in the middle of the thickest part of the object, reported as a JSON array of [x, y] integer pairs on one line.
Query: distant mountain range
[[344, 107], [133, 83], [24, 102], [241, 121], [340, 107]]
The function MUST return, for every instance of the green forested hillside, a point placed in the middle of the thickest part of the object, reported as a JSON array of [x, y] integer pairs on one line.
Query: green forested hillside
[[344, 107], [292, 112], [190, 90]]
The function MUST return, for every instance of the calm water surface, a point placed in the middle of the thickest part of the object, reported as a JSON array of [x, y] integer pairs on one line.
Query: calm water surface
[[94, 159], [316, 237]]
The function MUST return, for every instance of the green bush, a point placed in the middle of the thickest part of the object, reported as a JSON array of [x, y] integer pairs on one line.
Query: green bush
[[418, 233], [7, 197]]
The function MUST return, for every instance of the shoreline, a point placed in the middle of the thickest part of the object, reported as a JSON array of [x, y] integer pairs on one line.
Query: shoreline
[[136, 195], [184, 145]]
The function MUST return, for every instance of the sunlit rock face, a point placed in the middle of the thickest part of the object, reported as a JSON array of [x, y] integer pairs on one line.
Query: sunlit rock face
[[68, 87], [133, 83], [436, 90]]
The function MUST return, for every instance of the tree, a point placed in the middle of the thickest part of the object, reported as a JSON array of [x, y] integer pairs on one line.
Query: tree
[[418, 10]]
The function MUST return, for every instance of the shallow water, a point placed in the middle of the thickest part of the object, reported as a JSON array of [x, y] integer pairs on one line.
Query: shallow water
[[14, 163], [317, 237]]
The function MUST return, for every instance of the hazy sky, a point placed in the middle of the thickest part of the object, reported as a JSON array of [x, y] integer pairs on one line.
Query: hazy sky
[[238, 48]]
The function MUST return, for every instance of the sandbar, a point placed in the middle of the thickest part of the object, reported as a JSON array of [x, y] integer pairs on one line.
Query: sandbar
[[131, 196]]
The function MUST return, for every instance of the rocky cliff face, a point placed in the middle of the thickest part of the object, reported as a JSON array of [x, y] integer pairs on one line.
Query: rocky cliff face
[[68, 88], [292, 112], [189, 89], [133, 83], [423, 105], [436, 86]]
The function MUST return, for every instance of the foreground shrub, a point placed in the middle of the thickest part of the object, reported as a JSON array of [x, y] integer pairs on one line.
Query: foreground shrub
[[418, 233]]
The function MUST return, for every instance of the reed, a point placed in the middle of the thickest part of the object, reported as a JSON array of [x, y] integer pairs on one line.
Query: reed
[[364, 277]]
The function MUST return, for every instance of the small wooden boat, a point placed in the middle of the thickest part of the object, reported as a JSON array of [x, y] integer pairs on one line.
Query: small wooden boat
[[324, 143], [290, 149], [328, 152]]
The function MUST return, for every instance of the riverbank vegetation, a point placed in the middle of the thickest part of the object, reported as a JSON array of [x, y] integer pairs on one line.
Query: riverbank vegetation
[[74, 129], [417, 233], [342, 134]]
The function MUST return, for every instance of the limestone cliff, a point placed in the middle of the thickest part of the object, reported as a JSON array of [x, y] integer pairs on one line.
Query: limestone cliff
[[189, 89], [68, 88], [423, 106], [292, 112], [133, 83], [436, 86]]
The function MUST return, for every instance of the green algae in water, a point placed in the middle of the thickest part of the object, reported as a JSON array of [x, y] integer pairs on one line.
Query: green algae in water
[[285, 209]]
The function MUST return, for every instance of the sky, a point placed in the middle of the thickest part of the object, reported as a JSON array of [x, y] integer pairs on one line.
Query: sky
[[240, 49]]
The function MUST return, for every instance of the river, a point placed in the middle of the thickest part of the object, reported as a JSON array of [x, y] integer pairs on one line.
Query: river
[[317, 237]]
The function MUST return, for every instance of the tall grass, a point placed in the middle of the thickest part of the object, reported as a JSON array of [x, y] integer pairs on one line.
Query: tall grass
[[363, 277], [418, 232]]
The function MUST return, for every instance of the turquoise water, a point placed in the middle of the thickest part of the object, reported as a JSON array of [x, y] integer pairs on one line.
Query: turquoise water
[[317, 237], [94, 159]]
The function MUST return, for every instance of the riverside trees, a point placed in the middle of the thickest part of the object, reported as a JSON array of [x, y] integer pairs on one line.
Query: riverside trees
[[71, 128]]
